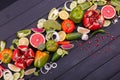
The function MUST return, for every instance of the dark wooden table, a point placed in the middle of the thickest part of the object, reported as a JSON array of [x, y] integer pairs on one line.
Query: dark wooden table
[[95, 59]]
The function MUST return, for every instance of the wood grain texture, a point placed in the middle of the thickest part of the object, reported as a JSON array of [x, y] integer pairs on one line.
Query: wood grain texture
[[95, 59]]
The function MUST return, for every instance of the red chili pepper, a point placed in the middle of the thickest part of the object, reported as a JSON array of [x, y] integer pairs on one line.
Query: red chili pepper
[[63, 42], [68, 26]]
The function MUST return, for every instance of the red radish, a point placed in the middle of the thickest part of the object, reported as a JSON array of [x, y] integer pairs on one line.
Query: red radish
[[36, 39], [67, 46], [108, 11], [39, 30]]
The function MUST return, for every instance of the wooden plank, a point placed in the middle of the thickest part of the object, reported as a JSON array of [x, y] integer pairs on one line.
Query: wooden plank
[[77, 55], [16, 9], [116, 77], [27, 18], [93, 62], [104, 72]]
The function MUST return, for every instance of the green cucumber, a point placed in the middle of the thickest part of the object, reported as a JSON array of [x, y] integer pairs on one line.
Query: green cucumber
[[73, 36]]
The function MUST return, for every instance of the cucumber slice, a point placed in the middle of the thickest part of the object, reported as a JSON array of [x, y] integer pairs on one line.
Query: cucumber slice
[[106, 23], [2, 45], [22, 73], [16, 76], [23, 33]]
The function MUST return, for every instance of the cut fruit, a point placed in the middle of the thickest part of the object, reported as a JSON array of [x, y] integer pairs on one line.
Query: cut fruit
[[23, 41], [83, 30], [63, 15], [30, 71], [36, 39], [16, 76], [40, 23], [23, 33], [67, 46], [13, 68], [23, 47], [40, 30], [73, 4], [2, 45], [106, 23], [108, 11], [62, 35], [81, 1]]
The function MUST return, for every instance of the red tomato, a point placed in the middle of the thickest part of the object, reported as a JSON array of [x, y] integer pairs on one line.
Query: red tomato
[[93, 20], [68, 26]]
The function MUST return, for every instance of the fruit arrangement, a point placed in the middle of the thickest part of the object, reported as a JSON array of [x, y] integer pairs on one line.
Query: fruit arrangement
[[33, 47]]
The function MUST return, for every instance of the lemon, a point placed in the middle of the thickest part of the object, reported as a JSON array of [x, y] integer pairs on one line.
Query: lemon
[[23, 41], [62, 35], [106, 23], [63, 15]]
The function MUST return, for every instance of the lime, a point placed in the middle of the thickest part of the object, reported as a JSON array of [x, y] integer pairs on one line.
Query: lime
[[23, 33], [63, 15], [73, 4], [40, 23], [62, 35], [106, 23], [23, 41]]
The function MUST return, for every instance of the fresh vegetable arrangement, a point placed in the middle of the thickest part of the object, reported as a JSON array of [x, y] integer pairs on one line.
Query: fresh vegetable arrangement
[[51, 40]]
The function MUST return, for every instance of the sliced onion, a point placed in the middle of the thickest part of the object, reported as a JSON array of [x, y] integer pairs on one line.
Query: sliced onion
[[53, 14], [57, 37], [65, 5], [7, 74]]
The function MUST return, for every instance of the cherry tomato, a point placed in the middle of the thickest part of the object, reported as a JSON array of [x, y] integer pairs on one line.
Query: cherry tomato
[[93, 20], [68, 26]]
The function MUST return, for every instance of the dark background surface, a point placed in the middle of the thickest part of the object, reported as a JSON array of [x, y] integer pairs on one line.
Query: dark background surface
[[96, 59]]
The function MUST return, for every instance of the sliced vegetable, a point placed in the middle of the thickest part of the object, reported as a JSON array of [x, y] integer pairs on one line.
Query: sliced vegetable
[[85, 37], [6, 55], [85, 5], [68, 26], [49, 35], [51, 45], [23, 33], [73, 36], [63, 42], [63, 15], [97, 31], [40, 23], [67, 46], [94, 7], [40, 59], [58, 54], [55, 36], [53, 14], [15, 41], [16, 76], [73, 4], [99, 2], [77, 14], [30, 71], [52, 25], [65, 5], [2, 45], [22, 73], [7, 75], [13, 67], [40, 30]]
